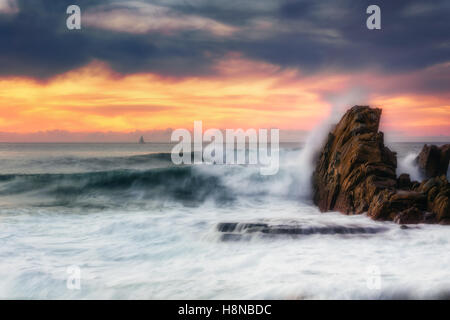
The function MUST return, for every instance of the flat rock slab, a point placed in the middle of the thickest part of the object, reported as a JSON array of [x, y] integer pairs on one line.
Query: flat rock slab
[[240, 231]]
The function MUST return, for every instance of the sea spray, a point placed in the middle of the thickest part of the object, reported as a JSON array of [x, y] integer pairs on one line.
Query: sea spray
[[314, 142], [408, 165], [316, 138]]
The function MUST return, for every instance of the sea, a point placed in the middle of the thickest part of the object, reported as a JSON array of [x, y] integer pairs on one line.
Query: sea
[[121, 221]]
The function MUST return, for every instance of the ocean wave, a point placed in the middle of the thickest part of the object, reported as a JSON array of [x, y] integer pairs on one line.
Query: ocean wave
[[181, 183], [141, 178]]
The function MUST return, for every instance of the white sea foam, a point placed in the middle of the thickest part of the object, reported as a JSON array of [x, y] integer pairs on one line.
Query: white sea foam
[[174, 252]]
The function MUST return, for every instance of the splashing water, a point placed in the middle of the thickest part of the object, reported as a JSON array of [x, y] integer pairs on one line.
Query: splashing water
[[310, 151], [408, 165]]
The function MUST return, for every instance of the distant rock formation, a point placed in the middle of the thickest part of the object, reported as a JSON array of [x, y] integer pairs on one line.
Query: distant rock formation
[[355, 173], [433, 161]]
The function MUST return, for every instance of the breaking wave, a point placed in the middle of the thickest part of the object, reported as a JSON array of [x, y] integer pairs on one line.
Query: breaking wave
[[182, 183]]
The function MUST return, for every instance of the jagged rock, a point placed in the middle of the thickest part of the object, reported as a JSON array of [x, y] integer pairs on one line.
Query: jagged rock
[[404, 181], [437, 191], [410, 216], [415, 184], [428, 185], [388, 204], [433, 161], [439, 199], [355, 173], [354, 165], [379, 207]]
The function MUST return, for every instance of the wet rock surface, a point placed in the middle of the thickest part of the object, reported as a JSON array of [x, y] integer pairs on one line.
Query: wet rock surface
[[240, 231], [355, 173]]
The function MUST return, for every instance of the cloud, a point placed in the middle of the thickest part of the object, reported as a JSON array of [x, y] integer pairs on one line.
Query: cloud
[[9, 6], [140, 17], [419, 9], [158, 63], [187, 38], [242, 93], [63, 136]]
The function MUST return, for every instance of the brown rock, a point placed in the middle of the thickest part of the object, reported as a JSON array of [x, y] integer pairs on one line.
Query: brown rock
[[355, 173], [354, 165], [440, 205], [379, 208], [433, 161], [414, 185], [404, 181], [410, 216], [430, 217], [388, 204], [437, 191]]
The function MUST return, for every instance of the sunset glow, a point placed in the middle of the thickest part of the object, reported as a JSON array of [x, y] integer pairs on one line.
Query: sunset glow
[[244, 94], [139, 66]]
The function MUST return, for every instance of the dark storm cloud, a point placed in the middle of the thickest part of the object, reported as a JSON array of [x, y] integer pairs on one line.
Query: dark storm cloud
[[409, 39], [36, 42], [311, 35]]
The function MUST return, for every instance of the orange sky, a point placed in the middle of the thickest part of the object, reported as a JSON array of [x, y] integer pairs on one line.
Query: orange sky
[[244, 93]]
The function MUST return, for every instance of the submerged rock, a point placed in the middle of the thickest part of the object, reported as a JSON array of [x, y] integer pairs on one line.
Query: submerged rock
[[233, 231], [355, 173]]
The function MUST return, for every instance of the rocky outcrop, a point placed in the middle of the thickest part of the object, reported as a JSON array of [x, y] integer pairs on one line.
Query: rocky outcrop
[[355, 173], [437, 192], [389, 203], [404, 182], [354, 165], [433, 161]]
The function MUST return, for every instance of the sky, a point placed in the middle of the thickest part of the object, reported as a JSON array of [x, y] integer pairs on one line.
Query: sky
[[147, 67]]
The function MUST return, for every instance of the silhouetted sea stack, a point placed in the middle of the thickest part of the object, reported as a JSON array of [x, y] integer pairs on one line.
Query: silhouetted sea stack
[[355, 173]]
